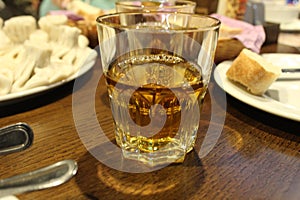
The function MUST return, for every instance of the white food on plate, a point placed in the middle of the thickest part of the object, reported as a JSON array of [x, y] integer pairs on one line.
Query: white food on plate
[[19, 28], [253, 71], [39, 53], [83, 41], [6, 80], [39, 36], [33, 56], [1, 23], [5, 41], [47, 22]]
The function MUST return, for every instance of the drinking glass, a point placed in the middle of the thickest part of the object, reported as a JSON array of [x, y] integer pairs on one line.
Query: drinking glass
[[157, 67], [148, 5]]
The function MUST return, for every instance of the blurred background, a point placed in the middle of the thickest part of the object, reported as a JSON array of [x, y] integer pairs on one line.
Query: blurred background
[[277, 16]]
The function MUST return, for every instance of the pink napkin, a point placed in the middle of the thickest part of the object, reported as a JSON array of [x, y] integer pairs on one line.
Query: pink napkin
[[252, 37], [71, 15]]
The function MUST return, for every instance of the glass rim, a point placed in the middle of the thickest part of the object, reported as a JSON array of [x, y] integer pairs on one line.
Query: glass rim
[[186, 4], [100, 20]]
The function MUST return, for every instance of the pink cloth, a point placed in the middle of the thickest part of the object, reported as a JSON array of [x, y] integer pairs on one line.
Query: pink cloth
[[71, 15], [252, 37]]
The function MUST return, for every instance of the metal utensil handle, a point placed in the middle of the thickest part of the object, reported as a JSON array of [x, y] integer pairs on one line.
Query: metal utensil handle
[[50, 176], [290, 70], [16, 137]]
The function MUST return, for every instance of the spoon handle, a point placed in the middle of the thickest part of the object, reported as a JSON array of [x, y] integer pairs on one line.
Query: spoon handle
[[16, 137], [46, 177], [290, 70]]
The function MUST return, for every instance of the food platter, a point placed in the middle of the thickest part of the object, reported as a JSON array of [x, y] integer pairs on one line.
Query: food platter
[[282, 97], [39, 55], [18, 96]]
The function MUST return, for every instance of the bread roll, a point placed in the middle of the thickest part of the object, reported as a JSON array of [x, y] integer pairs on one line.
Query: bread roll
[[227, 32], [85, 10], [253, 71]]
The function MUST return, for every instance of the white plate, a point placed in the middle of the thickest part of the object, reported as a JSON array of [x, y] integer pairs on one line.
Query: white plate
[[9, 198], [293, 26], [282, 97], [88, 64]]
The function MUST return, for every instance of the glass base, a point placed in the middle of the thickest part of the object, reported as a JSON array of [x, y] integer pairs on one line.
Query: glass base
[[156, 158]]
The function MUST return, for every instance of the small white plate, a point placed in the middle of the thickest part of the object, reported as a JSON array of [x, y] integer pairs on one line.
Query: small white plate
[[282, 97], [285, 61], [12, 97], [293, 26], [9, 198]]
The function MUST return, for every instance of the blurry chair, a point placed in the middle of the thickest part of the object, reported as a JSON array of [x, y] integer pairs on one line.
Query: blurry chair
[[19, 7]]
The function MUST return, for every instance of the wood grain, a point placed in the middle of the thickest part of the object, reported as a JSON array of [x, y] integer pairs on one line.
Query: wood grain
[[256, 157]]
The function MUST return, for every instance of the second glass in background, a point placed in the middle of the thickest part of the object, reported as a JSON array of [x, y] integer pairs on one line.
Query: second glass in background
[[170, 6]]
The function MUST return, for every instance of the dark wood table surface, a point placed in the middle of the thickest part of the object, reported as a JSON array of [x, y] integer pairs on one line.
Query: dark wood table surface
[[256, 157]]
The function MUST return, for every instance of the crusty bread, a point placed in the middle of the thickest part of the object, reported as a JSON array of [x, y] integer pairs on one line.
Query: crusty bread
[[89, 14], [253, 71], [85, 10], [228, 46], [227, 32]]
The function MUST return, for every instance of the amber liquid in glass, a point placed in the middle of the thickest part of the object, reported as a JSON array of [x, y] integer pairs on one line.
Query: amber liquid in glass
[[150, 97]]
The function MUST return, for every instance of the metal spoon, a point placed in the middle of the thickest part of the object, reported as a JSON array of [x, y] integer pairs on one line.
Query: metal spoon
[[47, 177], [290, 70], [289, 74], [16, 137]]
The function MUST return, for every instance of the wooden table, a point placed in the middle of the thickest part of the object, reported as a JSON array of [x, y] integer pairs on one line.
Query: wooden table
[[256, 157]]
